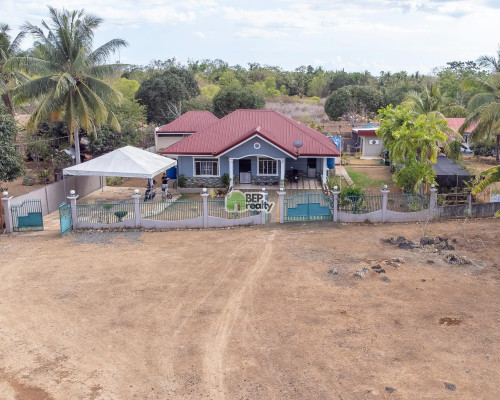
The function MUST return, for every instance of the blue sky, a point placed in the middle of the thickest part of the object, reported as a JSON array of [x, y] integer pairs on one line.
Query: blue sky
[[357, 35]]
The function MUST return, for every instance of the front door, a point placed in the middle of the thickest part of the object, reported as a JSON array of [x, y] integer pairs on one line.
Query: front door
[[245, 170]]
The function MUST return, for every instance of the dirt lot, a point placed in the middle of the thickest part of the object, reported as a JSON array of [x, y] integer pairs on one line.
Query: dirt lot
[[250, 313]]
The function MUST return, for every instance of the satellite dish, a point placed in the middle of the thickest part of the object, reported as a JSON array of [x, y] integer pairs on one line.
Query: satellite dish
[[298, 144]]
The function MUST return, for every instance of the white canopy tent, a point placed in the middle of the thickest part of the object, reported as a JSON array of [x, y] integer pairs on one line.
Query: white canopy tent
[[126, 162]]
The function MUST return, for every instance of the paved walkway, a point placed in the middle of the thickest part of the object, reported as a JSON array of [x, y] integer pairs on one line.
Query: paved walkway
[[341, 171]]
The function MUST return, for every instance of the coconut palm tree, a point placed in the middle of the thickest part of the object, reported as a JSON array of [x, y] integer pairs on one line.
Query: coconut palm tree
[[69, 74], [429, 101], [9, 48], [490, 62], [492, 176], [484, 109]]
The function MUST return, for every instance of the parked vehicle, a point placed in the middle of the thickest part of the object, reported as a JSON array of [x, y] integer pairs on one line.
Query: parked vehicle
[[149, 194]]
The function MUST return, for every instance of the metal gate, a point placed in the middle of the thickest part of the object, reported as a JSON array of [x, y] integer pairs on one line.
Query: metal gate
[[307, 207], [27, 216], [65, 218]]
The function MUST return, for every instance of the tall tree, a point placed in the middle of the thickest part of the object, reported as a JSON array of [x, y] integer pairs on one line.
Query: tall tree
[[413, 142], [429, 101], [8, 48], [69, 74], [484, 109]]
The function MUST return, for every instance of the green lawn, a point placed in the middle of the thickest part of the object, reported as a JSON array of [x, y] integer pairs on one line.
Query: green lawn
[[364, 181]]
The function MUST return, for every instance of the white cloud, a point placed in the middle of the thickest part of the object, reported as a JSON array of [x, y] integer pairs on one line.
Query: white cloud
[[201, 35]]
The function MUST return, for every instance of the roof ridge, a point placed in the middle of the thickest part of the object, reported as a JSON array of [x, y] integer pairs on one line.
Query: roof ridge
[[299, 125]]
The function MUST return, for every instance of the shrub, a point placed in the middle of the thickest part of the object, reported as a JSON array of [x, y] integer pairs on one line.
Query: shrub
[[181, 181], [120, 215], [226, 180]]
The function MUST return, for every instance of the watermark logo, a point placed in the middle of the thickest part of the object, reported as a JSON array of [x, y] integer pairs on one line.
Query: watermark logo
[[237, 201]]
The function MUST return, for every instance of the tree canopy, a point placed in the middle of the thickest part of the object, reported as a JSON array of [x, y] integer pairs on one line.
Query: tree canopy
[[11, 163], [164, 92], [234, 98], [68, 74]]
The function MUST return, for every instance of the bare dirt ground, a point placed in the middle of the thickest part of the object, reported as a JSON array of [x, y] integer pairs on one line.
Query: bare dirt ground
[[250, 313]]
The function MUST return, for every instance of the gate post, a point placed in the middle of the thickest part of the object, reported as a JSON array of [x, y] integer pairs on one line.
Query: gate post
[[263, 212], [281, 194], [6, 211], [137, 210], [204, 196], [385, 192], [433, 202], [72, 201], [335, 193]]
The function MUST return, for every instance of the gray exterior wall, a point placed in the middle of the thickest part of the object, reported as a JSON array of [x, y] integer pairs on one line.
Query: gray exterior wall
[[52, 195], [372, 150]]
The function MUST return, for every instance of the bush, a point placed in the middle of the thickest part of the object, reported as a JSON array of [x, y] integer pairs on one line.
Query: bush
[[120, 215], [351, 190], [455, 148], [181, 181], [226, 180]]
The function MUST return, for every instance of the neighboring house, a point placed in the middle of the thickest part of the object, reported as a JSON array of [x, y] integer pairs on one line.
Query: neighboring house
[[256, 146], [369, 143], [185, 125], [456, 124]]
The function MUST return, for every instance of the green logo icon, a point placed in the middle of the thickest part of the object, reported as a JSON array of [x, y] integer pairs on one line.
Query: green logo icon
[[237, 201]]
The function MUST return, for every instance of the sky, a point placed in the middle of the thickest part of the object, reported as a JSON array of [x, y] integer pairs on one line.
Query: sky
[[355, 35]]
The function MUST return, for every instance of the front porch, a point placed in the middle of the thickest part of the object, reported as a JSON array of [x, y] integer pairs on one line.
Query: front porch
[[301, 184], [308, 173]]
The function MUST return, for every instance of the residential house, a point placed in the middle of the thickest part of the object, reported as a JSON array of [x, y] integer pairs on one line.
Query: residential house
[[256, 147], [182, 127], [368, 142]]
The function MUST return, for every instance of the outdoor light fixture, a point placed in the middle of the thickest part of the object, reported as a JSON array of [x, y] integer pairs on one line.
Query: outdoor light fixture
[[136, 191], [335, 187], [72, 192], [204, 190], [385, 187], [282, 188], [5, 193], [263, 189]]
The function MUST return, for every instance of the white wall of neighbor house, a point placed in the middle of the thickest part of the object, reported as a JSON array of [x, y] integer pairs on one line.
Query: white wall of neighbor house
[[372, 146], [163, 140]]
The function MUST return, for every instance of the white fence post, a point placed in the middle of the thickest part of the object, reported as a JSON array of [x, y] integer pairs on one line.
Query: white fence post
[[6, 212], [204, 196], [335, 193], [263, 209], [385, 192], [281, 194], [433, 202], [137, 210], [72, 201]]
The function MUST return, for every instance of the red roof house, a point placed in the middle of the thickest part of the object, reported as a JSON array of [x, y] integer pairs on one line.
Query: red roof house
[[255, 145]]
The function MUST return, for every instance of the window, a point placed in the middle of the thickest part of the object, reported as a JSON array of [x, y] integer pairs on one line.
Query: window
[[268, 166], [206, 166]]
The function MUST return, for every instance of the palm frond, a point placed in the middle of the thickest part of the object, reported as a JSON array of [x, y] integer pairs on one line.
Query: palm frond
[[494, 176], [29, 65], [102, 53], [32, 89], [104, 71]]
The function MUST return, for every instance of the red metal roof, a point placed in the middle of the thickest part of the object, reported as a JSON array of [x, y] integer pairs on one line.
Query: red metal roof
[[456, 123], [190, 122], [243, 124]]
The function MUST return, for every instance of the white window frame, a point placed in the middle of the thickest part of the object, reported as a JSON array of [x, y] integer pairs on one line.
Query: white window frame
[[267, 159], [195, 159]]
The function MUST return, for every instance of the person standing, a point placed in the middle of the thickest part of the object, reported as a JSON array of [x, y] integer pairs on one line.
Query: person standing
[[164, 183]]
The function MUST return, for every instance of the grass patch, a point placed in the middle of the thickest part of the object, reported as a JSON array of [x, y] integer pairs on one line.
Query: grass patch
[[363, 179]]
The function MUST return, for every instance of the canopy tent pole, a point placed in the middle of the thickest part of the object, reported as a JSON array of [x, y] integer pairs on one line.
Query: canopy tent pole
[[64, 186]]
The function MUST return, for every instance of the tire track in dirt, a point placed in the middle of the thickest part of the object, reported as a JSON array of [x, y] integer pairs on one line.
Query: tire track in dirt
[[169, 364], [213, 360]]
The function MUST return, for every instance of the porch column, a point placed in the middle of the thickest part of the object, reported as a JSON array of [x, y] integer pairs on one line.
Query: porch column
[[6, 212], [282, 172], [325, 169], [231, 180]]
